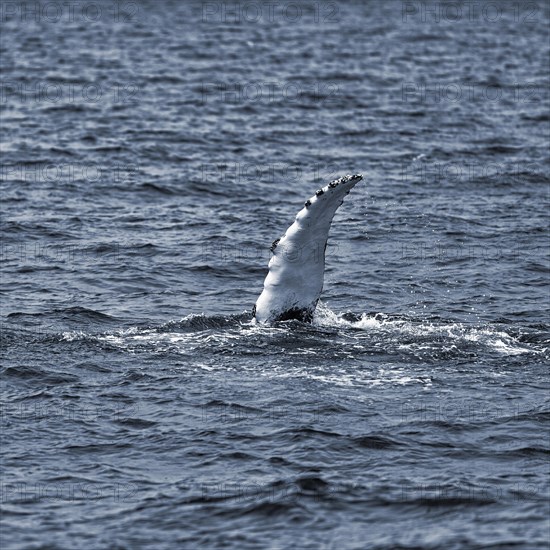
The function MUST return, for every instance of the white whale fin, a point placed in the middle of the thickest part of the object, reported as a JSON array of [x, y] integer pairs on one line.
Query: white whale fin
[[296, 270]]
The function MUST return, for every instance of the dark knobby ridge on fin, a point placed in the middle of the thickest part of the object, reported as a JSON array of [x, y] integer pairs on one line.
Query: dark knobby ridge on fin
[[319, 192], [307, 203], [274, 245]]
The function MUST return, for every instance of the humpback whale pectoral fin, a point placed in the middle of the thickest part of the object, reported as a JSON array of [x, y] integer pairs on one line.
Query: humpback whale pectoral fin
[[295, 281]]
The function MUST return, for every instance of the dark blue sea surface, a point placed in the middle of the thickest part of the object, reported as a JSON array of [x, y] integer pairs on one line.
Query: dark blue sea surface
[[151, 152]]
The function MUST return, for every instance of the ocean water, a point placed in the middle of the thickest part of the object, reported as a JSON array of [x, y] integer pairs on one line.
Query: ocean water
[[151, 152]]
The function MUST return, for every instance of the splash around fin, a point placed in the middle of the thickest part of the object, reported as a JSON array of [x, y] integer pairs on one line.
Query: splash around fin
[[296, 269]]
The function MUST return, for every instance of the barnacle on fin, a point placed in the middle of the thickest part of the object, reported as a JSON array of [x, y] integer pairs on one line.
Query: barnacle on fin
[[319, 192], [307, 203], [274, 245], [333, 184]]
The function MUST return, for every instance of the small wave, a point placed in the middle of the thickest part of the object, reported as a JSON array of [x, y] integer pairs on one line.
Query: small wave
[[68, 108], [375, 442], [53, 378], [70, 311], [148, 186]]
